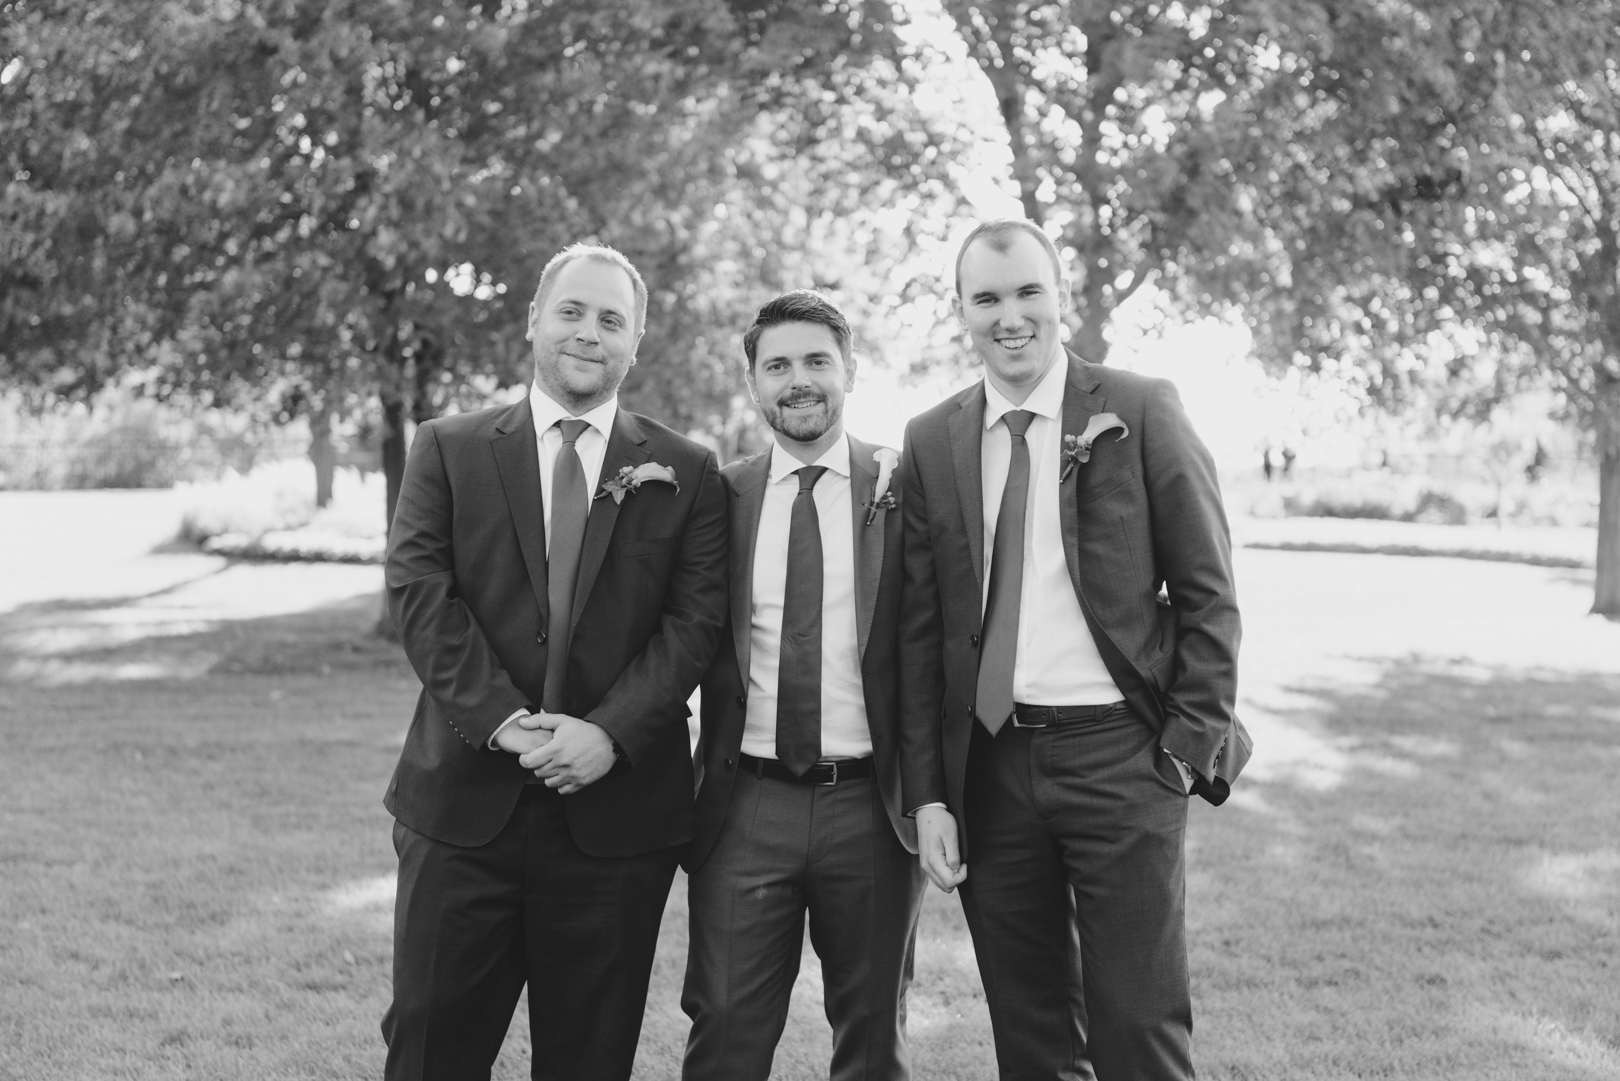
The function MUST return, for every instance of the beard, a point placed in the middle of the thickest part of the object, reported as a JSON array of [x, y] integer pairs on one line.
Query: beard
[[801, 427]]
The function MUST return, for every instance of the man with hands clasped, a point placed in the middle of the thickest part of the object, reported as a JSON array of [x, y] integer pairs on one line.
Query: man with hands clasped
[[557, 570], [1068, 650], [798, 812]]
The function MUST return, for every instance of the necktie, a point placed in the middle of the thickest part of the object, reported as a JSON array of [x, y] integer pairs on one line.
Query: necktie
[[798, 679], [570, 506], [999, 646]]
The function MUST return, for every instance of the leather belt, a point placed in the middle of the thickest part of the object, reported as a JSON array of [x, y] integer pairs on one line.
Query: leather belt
[[822, 773], [1025, 716]]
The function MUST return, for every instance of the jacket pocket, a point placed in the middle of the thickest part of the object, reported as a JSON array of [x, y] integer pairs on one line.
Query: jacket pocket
[[636, 549]]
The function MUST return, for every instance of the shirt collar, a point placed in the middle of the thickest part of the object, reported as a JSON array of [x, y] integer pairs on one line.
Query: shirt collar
[[547, 411], [1046, 400], [835, 458]]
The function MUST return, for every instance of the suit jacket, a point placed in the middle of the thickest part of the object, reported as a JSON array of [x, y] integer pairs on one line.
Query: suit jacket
[[1148, 553], [466, 581], [877, 609]]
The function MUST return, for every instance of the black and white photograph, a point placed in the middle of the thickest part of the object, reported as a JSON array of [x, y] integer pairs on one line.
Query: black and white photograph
[[866, 540]]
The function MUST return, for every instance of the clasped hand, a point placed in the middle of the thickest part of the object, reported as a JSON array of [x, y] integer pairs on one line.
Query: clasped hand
[[937, 848], [565, 752]]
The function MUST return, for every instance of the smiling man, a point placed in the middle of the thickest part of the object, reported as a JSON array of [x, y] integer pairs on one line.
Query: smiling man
[[799, 809], [557, 571], [1069, 666]]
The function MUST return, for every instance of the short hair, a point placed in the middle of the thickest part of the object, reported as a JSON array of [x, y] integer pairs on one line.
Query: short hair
[[798, 306], [602, 254], [999, 233]]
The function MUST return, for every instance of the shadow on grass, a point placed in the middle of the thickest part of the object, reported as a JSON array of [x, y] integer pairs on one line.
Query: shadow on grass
[[1450, 907], [116, 640]]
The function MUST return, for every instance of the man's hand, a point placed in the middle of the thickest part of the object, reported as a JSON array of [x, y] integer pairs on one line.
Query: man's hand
[[579, 753], [523, 735], [936, 848]]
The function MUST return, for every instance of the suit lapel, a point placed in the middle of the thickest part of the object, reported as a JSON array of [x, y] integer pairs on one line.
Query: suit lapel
[[868, 539], [1080, 403], [752, 476], [517, 458], [966, 430], [626, 446]]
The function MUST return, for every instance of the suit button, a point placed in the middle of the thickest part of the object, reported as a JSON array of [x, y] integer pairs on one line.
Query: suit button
[[975, 641], [729, 763], [742, 699], [541, 638]]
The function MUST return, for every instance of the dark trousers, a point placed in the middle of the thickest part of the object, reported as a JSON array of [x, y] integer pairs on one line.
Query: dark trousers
[[786, 849], [1075, 885], [473, 925]]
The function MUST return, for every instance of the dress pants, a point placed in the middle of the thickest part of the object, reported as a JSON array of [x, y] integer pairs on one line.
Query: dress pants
[[786, 849], [473, 925], [1075, 840]]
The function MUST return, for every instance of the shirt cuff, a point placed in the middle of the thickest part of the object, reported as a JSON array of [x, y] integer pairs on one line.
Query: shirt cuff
[[913, 812], [1185, 770], [523, 712]]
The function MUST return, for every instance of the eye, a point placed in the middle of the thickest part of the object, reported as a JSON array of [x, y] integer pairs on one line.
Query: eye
[[612, 322]]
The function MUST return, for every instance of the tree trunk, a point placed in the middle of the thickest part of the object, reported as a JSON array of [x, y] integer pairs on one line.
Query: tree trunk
[[1606, 598], [321, 453], [393, 463]]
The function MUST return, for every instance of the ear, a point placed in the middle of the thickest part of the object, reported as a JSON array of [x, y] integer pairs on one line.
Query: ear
[[849, 373], [636, 345], [959, 311], [1065, 295], [748, 379], [534, 317]]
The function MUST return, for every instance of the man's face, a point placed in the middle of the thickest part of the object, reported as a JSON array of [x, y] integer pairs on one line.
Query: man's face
[[1012, 304], [584, 333], [799, 378]]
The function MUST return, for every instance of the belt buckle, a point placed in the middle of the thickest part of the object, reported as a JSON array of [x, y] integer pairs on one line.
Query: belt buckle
[[1045, 710], [828, 784]]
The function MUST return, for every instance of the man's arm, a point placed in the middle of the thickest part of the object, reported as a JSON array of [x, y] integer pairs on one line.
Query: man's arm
[[669, 667], [445, 645], [922, 664], [1192, 549]]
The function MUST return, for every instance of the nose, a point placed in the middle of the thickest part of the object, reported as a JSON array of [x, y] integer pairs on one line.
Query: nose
[[587, 331]]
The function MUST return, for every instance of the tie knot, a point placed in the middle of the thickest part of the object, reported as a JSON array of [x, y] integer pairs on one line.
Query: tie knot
[[808, 475], [572, 427], [1018, 421]]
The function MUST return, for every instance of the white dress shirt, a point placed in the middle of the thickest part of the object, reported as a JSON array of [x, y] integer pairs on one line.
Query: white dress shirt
[[1057, 662], [591, 446], [844, 729]]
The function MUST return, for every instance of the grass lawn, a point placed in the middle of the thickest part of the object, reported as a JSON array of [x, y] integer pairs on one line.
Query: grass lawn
[[196, 877]]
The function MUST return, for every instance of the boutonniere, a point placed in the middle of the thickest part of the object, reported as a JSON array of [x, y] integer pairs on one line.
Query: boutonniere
[[632, 477], [882, 498], [1077, 448]]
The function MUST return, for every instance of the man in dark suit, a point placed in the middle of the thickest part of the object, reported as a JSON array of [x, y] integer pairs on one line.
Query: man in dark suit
[[799, 805], [1069, 666], [557, 571]]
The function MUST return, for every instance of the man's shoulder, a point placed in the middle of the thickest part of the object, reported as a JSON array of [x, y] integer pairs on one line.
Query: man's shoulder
[[664, 440], [1118, 383], [479, 422], [734, 469], [938, 415]]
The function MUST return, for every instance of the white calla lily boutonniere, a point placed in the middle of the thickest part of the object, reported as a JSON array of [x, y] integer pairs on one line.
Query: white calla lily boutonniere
[[882, 498], [1077, 448], [632, 477]]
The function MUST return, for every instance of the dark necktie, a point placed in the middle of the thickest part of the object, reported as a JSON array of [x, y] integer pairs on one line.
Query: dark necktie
[[999, 648], [798, 678], [570, 507]]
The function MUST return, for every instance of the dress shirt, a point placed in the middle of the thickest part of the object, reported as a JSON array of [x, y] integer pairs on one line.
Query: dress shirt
[[844, 729], [1057, 662], [591, 446]]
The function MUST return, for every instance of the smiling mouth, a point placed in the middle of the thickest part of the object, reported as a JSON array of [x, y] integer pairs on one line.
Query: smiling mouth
[[1015, 344], [804, 403]]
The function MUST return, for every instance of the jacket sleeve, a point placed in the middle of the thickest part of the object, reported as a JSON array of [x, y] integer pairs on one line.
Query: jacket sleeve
[[1192, 550], [457, 667], [922, 665], [682, 648]]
